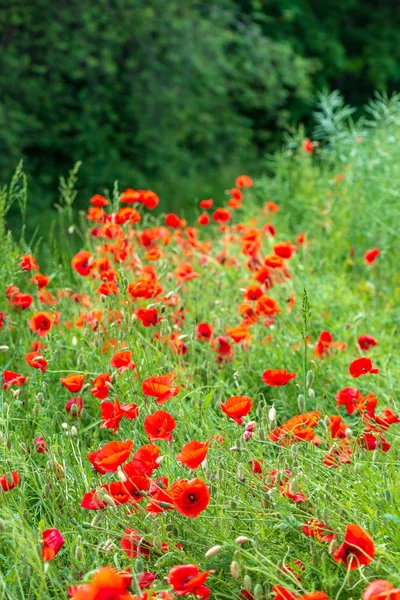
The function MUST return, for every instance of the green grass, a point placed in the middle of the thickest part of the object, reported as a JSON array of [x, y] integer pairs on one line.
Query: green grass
[[342, 219]]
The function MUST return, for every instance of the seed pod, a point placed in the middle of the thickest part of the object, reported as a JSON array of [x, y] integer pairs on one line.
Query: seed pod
[[139, 566], [262, 434], [388, 496], [301, 403], [74, 431], [40, 398], [96, 519], [258, 592], [348, 433], [213, 551], [247, 583], [357, 469], [3, 526], [311, 393], [79, 553], [272, 414], [4, 348], [234, 569], [333, 546], [294, 486], [310, 378]]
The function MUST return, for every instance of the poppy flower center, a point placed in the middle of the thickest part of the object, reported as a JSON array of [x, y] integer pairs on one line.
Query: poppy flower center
[[192, 497]]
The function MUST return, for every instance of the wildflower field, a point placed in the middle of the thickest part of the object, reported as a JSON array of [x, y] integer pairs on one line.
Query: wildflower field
[[210, 407]]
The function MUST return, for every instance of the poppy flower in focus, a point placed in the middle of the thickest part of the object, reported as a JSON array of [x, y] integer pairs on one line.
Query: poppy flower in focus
[[190, 498], [73, 383], [298, 428], [113, 412], [122, 361], [187, 579], [143, 462], [362, 366], [10, 378], [365, 342], [380, 589], [160, 387], [159, 426], [110, 456], [193, 453], [370, 256], [277, 377], [40, 323], [9, 481], [36, 360], [52, 541], [357, 549], [237, 407], [100, 389]]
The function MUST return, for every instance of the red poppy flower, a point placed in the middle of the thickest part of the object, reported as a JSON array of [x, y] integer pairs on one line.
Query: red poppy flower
[[193, 453], [159, 426], [40, 280], [160, 497], [277, 377], [36, 360], [172, 220], [370, 256], [284, 249], [298, 428], [98, 201], [380, 589], [134, 544], [361, 366], [243, 181], [9, 481], [100, 389], [190, 498], [110, 456], [371, 440], [266, 305], [203, 219], [237, 407], [91, 500], [206, 203], [40, 445], [41, 322], [73, 383], [253, 293], [147, 316], [308, 146], [187, 579], [82, 263], [52, 541], [365, 342], [221, 215], [106, 584], [75, 406], [357, 549], [161, 387], [204, 331], [321, 532], [28, 263], [122, 361], [113, 412], [143, 462], [10, 378]]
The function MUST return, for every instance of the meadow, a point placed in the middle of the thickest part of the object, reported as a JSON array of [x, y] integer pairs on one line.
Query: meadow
[[209, 408]]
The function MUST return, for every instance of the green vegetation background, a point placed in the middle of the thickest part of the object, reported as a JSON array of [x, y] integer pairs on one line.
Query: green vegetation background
[[175, 95]]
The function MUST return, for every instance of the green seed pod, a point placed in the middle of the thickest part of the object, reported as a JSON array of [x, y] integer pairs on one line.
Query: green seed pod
[[388, 496], [310, 378], [311, 393], [3, 525], [262, 434], [96, 519], [139, 566], [86, 525], [258, 592], [79, 553], [301, 403], [357, 469]]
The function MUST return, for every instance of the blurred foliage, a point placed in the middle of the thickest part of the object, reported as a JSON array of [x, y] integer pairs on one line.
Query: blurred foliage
[[157, 93]]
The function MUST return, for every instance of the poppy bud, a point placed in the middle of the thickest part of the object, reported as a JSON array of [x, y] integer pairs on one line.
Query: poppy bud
[[233, 504], [333, 546], [74, 341], [262, 434], [139, 566], [40, 398], [109, 500], [310, 378], [213, 551], [160, 459], [96, 519], [4, 348], [272, 414], [36, 409], [375, 455], [311, 393], [234, 569], [327, 421], [258, 592], [79, 553], [294, 486], [388, 496], [64, 426], [247, 583], [348, 433], [166, 505], [87, 525], [8, 444], [15, 393], [74, 431], [242, 539], [240, 473], [301, 403], [3, 526]]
